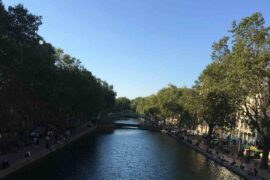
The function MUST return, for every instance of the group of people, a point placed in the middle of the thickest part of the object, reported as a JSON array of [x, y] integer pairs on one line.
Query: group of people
[[48, 136], [251, 171], [53, 137]]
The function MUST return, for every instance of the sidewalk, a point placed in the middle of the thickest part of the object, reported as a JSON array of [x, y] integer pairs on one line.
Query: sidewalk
[[226, 160], [18, 160]]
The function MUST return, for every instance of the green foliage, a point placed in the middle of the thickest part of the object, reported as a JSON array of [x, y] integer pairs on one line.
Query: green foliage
[[216, 110], [236, 83], [189, 117], [122, 104], [251, 56], [245, 74], [169, 102], [56, 79], [220, 49], [216, 106]]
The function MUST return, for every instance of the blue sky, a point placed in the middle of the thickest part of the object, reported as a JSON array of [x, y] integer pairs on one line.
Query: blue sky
[[140, 46]]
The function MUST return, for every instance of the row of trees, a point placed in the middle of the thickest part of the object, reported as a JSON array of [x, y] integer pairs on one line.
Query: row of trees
[[169, 102], [235, 85], [122, 104], [40, 84]]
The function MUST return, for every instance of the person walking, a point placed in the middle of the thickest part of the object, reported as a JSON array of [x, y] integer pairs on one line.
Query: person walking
[[255, 171], [47, 142]]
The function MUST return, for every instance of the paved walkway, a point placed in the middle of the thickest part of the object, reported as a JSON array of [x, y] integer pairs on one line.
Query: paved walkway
[[18, 160], [227, 159]]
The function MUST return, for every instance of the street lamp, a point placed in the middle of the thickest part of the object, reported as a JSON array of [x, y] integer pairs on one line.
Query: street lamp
[[41, 42]]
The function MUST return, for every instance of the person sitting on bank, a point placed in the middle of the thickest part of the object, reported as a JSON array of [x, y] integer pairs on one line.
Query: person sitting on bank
[[47, 142], [242, 166], [27, 154], [209, 151], [217, 154]]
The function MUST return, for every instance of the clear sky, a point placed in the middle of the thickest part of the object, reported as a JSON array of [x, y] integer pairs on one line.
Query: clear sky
[[140, 46]]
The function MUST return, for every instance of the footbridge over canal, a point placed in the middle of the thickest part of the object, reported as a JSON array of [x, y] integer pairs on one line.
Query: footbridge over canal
[[126, 125], [132, 120]]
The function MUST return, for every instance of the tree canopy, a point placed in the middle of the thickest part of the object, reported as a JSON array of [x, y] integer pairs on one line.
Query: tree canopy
[[50, 86], [235, 85], [122, 104]]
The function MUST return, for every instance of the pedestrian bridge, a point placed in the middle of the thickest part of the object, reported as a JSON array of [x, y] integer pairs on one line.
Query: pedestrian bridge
[[128, 114], [126, 125], [132, 120]]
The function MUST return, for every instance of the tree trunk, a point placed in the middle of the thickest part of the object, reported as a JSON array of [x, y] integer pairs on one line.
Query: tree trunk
[[264, 160], [210, 132]]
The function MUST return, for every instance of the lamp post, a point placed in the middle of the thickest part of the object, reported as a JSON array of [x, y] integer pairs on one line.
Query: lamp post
[[41, 42]]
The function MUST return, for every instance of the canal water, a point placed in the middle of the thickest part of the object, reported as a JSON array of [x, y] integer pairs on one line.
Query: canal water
[[125, 154]]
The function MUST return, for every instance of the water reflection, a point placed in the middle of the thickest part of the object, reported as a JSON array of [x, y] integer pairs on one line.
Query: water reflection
[[126, 154]]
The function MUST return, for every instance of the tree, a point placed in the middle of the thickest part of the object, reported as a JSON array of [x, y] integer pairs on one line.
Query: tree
[[242, 71], [216, 111], [250, 75], [216, 107], [122, 104], [24, 25], [189, 117], [168, 102], [42, 85]]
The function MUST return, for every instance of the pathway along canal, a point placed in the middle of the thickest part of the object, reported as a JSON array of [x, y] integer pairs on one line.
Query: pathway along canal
[[125, 154]]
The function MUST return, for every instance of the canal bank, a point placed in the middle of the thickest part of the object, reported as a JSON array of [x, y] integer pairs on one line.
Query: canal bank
[[125, 154], [43, 153], [119, 143], [224, 162]]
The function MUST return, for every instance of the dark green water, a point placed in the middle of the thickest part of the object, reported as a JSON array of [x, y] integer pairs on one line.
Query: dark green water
[[125, 154]]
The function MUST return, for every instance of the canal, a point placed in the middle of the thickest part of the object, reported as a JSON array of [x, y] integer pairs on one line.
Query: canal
[[125, 154]]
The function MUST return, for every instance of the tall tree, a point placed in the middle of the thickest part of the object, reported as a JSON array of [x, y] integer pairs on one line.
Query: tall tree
[[216, 105], [250, 75], [216, 110], [189, 116], [40, 84]]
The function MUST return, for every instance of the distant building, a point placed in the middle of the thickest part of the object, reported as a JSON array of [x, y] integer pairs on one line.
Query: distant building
[[202, 128]]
